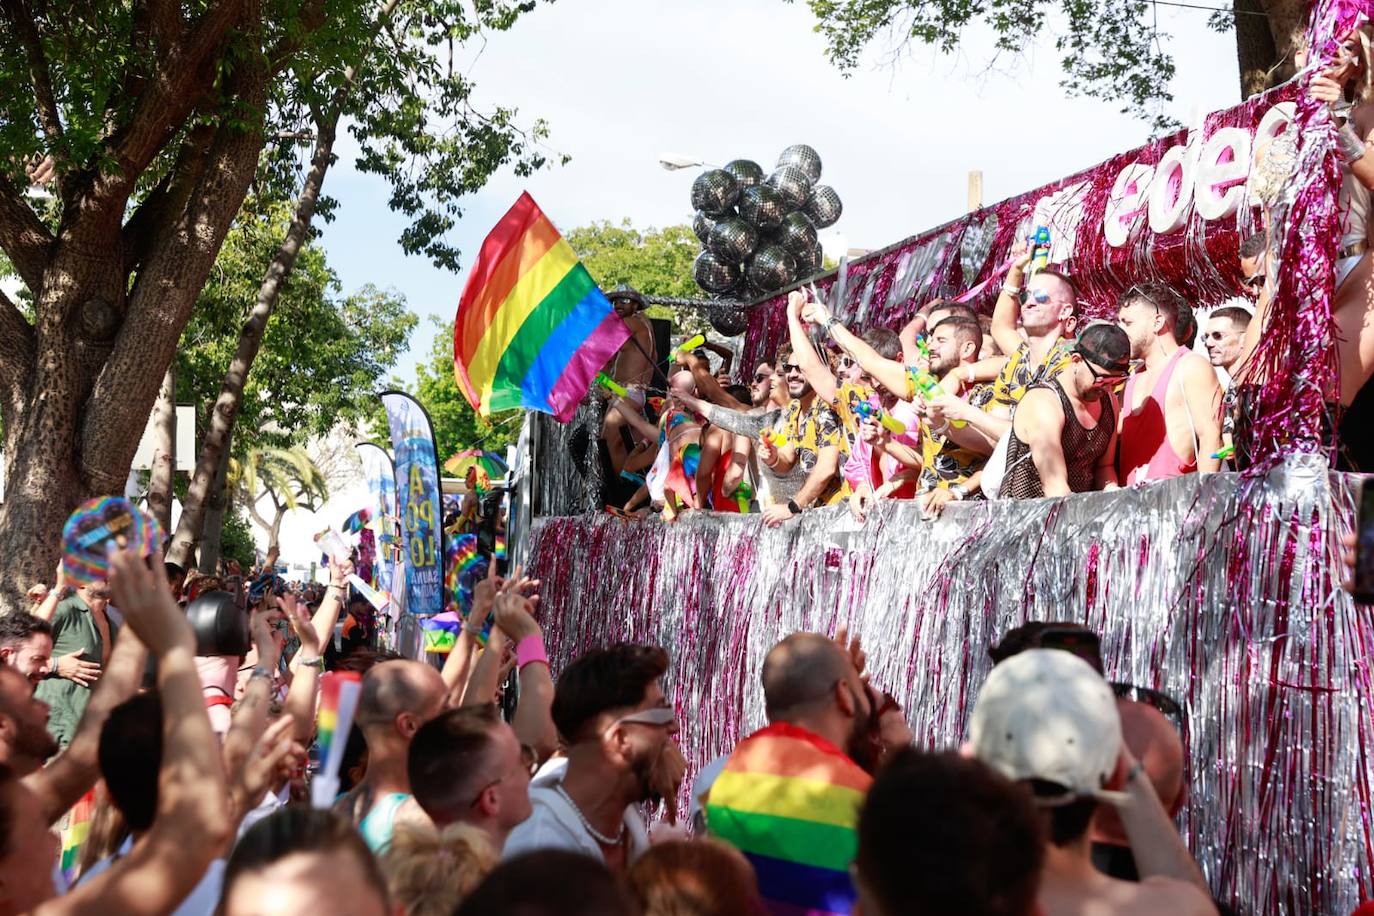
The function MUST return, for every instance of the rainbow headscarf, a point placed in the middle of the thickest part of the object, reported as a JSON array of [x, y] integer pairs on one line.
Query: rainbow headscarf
[[789, 800]]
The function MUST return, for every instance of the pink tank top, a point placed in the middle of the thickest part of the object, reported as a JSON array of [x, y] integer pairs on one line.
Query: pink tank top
[[1144, 451]]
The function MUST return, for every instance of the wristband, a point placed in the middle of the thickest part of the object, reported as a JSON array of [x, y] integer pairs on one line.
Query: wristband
[[1009, 290], [793, 507], [530, 650], [316, 662], [260, 671], [1349, 144], [830, 325]]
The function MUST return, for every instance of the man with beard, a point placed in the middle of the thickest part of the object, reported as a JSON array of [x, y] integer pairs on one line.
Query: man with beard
[[1064, 435], [813, 446], [26, 645], [82, 639], [1171, 411], [790, 794], [618, 727]]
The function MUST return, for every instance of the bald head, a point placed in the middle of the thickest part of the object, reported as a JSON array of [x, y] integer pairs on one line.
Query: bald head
[[800, 673], [683, 383], [1155, 742], [399, 690]]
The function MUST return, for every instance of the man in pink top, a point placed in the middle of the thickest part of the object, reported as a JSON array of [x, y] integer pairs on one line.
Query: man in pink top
[[1169, 414]]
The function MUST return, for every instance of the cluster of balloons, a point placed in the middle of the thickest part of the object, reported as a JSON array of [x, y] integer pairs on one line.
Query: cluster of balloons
[[759, 233]]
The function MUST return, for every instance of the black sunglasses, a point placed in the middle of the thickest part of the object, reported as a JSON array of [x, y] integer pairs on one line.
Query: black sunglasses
[[1099, 377], [790, 367], [762, 376]]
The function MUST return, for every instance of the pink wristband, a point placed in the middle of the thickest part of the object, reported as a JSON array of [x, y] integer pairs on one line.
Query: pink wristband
[[530, 649]]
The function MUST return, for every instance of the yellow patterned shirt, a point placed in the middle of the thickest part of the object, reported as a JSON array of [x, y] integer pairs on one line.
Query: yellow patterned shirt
[[1021, 372], [810, 431]]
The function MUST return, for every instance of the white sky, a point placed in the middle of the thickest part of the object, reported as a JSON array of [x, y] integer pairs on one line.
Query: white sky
[[622, 81]]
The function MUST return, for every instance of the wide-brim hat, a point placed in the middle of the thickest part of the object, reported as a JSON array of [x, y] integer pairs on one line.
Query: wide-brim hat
[[625, 291]]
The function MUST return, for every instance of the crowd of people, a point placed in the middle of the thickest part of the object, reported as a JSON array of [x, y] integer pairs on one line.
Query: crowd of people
[[187, 724], [1033, 401]]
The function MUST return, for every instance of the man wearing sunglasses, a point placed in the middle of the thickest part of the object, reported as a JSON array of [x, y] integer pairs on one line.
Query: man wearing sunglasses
[[618, 727], [1171, 411], [1063, 438], [1045, 311]]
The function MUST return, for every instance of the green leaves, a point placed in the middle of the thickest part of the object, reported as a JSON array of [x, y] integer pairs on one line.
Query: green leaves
[[657, 262], [1109, 49]]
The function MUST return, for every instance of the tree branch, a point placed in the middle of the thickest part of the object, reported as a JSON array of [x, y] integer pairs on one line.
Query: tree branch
[[175, 90], [182, 253], [167, 201], [16, 356], [312, 17], [24, 238], [164, 16], [18, 14]]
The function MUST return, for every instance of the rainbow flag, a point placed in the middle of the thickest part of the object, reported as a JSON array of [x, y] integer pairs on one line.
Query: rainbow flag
[[532, 328], [441, 632], [75, 831], [789, 800], [339, 692]]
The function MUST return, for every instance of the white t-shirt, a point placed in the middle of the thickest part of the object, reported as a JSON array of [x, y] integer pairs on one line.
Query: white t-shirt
[[554, 824]]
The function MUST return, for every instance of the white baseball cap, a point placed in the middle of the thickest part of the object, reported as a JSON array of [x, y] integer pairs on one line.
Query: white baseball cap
[[1045, 714]]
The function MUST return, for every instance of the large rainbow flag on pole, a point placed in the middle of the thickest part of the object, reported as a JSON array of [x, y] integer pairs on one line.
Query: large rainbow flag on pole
[[532, 328], [789, 800]]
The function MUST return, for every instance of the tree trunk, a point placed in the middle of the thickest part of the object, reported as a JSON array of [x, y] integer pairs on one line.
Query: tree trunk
[[1266, 44], [225, 411], [217, 505], [164, 451]]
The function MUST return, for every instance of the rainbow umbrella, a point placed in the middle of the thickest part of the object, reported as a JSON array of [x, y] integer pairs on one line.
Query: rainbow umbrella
[[489, 463]]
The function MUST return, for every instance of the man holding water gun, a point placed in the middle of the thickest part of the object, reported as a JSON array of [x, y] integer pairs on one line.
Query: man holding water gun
[[945, 464]]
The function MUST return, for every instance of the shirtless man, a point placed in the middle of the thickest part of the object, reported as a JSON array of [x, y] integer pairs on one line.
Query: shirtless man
[[632, 367], [1170, 413]]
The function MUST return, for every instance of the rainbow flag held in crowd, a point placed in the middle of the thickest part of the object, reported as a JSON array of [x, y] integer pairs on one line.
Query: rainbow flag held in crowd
[[789, 800], [441, 632], [532, 328], [357, 521], [75, 831]]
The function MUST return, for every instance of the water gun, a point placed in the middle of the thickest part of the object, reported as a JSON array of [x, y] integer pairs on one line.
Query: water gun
[[691, 343], [1226, 451], [634, 478], [868, 410], [1040, 249], [926, 383], [611, 385], [773, 436]]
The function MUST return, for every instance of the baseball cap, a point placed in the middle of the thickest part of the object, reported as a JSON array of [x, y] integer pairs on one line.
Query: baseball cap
[[1105, 345], [1045, 714]]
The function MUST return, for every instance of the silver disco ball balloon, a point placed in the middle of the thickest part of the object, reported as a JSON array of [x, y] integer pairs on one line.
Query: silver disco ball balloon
[[810, 261], [714, 275], [746, 172], [797, 234], [702, 226], [714, 192], [824, 206], [801, 156], [730, 320], [732, 240], [791, 183], [770, 269], [763, 207]]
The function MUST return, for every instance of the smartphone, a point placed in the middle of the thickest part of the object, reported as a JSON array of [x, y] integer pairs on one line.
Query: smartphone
[[1364, 543], [1083, 643]]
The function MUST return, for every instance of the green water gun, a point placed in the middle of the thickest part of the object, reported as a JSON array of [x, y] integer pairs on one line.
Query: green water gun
[[1226, 451], [926, 383], [611, 385], [691, 343]]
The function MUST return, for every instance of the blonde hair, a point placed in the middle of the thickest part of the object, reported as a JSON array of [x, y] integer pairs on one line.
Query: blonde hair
[[429, 872]]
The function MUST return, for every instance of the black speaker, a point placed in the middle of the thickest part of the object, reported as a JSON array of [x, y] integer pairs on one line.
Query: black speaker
[[663, 332]]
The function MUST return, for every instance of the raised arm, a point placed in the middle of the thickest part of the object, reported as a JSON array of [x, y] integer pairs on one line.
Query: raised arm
[[72, 773], [910, 331], [192, 822], [727, 356], [48, 606], [458, 666], [707, 386], [327, 614], [817, 373], [533, 721], [309, 663], [1040, 424], [887, 372], [1007, 314]]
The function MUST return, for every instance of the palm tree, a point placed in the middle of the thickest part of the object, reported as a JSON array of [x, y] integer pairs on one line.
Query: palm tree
[[286, 477]]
